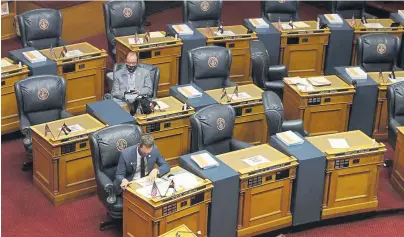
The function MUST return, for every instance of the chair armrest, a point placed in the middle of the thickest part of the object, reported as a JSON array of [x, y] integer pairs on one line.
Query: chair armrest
[[108, 96], [277, 72], [111, 39], [238, 145], [393, 125], [64, 114], [104, 181], [295, 126], [229, 83]]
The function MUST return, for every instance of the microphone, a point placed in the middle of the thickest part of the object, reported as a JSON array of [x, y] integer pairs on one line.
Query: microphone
[[186, 232]]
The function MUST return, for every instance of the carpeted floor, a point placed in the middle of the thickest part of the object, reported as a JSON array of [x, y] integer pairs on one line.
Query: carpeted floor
[[26, 212]]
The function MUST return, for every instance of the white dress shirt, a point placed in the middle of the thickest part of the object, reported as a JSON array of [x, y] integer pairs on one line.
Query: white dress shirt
[[138, 163]]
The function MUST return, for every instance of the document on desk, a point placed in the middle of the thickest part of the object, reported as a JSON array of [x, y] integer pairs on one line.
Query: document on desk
[[183, 29], [300, 24], [189, 92], [240, 96], [373, 25], [161, 186], [333, 18], [162, 105], [156, 34], [5, 63], [145, 181], [337, 143], [74, 128], [133, 41], [74, 53], [259, 23], [319, 81], [225, 33], [356, 73], [255, 160], [289, 138], [185, 180], [204, 161], [294, 80]]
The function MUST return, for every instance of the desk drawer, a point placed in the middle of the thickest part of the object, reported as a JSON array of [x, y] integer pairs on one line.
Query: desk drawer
[[304, 40], [248, 110], [164, 52], [329, 100], [79, 66]]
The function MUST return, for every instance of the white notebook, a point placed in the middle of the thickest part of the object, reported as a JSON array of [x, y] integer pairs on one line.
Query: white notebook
[[204, 161], [183, 29], [356, 73], [259, 23], [333, 19], [289, 138], [189, 92]]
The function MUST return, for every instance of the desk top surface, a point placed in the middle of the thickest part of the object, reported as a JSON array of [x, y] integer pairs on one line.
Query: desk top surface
[[401, 130], [182, 228], [9, 68], [152, 42], [247, 92], [238, 30], [384, 81], [203, 184], [355, 139], [302, 26], [174, 109], [236, 159], [336, 85], [85, 124], [86, 49], [386, 23]]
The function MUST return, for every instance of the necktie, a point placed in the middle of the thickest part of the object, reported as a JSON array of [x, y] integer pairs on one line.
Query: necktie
[[142, 167]]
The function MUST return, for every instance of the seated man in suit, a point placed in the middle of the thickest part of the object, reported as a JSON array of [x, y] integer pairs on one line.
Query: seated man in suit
[[131, 79], [138, 161]]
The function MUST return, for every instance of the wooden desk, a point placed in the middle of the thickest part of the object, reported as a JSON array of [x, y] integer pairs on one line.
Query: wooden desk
[[250, 125], [169, 128], [380, 129], [265, 189], [151, 217], [84, 75], [7, 20], [9, 111], [397, 176], [163, 53], [324, 110], [360, 29], [63, 168], [303, 50], [182, 230], [239, 45], [352, 174]]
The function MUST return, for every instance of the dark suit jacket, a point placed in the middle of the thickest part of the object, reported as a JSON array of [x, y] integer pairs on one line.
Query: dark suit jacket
[[127, 164]]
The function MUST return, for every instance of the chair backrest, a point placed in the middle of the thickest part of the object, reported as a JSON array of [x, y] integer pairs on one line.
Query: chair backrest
[[154, 74], [284, 10], [106, 145], [212, 129], [202, 13], [123, 18], [260, 63], [274, 112], [209, 66], [347, 9], [40, 99], [40, 28], [395, 101], [377, 51]]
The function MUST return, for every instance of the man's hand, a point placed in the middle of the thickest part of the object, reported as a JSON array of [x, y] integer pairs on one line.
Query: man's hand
[[136, 92], [124, 183], [153, 175]]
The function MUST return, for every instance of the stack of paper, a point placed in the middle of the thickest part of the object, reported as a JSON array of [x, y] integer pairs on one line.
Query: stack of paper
[[189, 92], [183, 29], [319, 81], [74, 53], [162, 105], [259, 23], [295, 80], [34, 56], [186, 180], [356, 73], [74, 128], [373, 25], [333, 18], [156, 34], [145, 181], [5, 63], [255, 160], [401, 13], [286, 26], [300, 24], [289, 138], [204, 161], [338, 143]]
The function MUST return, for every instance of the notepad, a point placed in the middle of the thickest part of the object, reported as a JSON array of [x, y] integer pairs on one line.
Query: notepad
[[300, 24], [156, 34], [240, 96], [319, 81], [189, 92], [338, 143], [183, 29], [259, 23], [289, 138], [373, 25], [74, 53], [255, 160], [333, 18], [356, 73], [34, 56], [204, 161], [162, 105]]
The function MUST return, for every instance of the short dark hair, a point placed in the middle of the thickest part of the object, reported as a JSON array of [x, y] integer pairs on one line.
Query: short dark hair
[[147, 141]]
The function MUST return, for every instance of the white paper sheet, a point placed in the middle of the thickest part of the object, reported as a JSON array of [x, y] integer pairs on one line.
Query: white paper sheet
[[132, 41], [186, 180], [337, 143], [74, 128], [145, 181], [162, 104], [74, 53], [241, 96], [255, 160]]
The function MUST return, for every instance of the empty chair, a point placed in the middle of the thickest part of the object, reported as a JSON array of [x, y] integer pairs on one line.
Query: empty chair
[[202, 13], [123, 18], [395, 110], [212, 130], [106, 146], [283, 10], [209, 67], [265, 76], [40, 99], [41, 28], [274, 113], [377, 52]]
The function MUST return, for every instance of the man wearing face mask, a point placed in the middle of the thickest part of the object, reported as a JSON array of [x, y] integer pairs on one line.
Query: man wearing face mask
[[131, 79], [138, 161]]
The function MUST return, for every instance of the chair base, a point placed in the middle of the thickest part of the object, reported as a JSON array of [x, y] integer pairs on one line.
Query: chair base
[[106, 225], [27, 166]]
